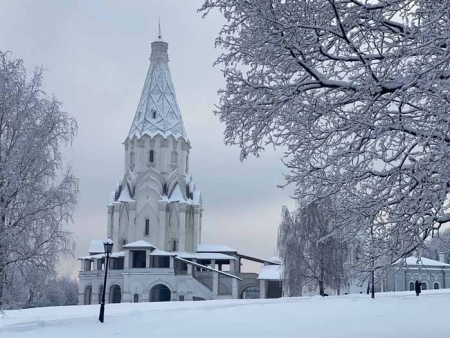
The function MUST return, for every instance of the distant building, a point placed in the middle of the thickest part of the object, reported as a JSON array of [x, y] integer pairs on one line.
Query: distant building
[[433, 274], [154, 215]]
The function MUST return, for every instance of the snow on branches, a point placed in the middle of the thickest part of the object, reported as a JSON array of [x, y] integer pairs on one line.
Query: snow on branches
[[357, 92], [313, 256], [37, 195]]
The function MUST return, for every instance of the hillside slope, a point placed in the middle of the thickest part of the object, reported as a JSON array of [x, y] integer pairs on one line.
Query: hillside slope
[[390, 315]]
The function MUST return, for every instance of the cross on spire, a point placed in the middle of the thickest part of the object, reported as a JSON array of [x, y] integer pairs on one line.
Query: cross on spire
[[159, 29]]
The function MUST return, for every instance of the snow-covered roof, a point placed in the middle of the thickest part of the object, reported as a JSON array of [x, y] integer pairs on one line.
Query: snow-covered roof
[[204, 255], [422, 261], [125, 195], [158, 252], [158, 112], [275, 260], [100, 256], [138, 245], [270, 272], [176, 195], [214, 248], [97, 246]]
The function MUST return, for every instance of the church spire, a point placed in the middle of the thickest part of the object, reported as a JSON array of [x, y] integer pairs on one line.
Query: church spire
[[158, 112]]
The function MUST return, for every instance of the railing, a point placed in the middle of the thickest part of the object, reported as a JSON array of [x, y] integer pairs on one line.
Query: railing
[[205, 278], [117, 272]]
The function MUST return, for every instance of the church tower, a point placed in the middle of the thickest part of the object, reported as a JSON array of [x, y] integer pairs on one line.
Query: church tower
[[157, 201]]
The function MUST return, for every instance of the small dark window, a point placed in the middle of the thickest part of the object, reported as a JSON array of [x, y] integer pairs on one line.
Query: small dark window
[[147, 228], [154, 114], [436, 286], [136, 298], [424, 286], [139, 259], [411, 286], [181, 298], [174, 245], [151, 156]]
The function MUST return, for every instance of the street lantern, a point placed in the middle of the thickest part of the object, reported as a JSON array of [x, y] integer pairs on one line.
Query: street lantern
[[108, 245]]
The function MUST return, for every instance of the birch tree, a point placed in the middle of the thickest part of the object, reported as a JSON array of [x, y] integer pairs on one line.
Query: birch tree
[[37, 193], [357, 92]]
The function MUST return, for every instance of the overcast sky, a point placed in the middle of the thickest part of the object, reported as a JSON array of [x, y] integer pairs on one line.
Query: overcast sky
[[96, 57]]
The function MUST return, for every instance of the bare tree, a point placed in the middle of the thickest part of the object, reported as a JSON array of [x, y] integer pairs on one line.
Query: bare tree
[[357, 92], [37, 195], [313, 255]]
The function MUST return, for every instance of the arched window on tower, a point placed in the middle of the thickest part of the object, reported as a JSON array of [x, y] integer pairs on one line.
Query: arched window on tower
[[147, 228], [187, 163], [174, 157], [151, 156], [174, 245], [154, 113]]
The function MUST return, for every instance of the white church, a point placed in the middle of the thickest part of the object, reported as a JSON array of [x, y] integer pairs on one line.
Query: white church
[[154, 217]]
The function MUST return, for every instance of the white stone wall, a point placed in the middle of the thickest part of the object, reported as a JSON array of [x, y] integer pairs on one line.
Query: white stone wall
[[141, 282]]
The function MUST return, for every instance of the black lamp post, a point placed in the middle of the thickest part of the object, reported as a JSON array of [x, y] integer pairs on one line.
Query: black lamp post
[[108, 244]]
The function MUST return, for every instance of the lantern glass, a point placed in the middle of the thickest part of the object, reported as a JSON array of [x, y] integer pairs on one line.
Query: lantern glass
[[108, 246]]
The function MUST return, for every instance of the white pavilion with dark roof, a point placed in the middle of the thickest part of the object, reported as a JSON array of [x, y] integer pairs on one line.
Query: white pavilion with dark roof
[[154, 215]]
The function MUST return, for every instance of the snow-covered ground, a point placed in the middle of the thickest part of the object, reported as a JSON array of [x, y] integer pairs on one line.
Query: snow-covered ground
[[399, 314]]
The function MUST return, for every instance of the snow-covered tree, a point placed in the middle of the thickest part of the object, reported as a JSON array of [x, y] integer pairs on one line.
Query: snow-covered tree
[[439, 244], [290, 249], [37, 194], [357, 92], [313, 255], [29, 286]]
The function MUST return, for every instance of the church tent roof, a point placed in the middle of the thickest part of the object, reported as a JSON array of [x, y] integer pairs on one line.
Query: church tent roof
[[158, 112]]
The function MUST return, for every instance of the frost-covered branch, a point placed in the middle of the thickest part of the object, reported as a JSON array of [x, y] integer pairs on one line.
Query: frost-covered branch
[[37, 195], [357, 92]]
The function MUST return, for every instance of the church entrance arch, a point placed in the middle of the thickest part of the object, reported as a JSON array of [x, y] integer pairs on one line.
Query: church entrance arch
[[115, 294], [251, 292], [160, 293]]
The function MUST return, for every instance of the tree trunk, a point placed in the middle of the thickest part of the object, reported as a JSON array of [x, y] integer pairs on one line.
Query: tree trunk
[[373, 284], [321, 288]]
